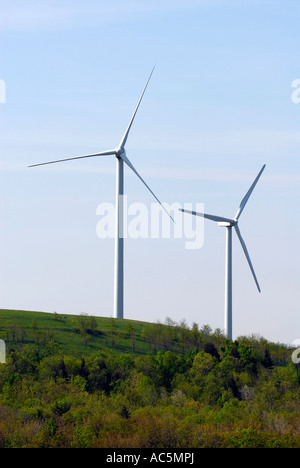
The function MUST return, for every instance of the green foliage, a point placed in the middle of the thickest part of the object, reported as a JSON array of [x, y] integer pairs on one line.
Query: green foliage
[[61, 406], [125, 413], [150, 386]]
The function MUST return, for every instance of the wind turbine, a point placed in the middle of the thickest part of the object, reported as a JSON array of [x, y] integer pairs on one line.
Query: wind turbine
[[121, 158], [229, 224]]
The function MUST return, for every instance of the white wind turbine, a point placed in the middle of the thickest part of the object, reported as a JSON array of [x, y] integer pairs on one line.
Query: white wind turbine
[[229, 224], [121, 158]]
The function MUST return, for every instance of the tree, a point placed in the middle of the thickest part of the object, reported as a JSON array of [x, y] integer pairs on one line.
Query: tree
[[212, 350], [83, 371], [202, 365], [35, 331], [53, 367], [168, 364], [125, 413], [86, 338], [93, 322], [196, 336], [131, 334], [83, 323], [62, 370], [267, 360]]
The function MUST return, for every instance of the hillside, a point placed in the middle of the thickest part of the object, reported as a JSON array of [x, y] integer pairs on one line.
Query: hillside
[[83, 335], [75, 334], [82, 381]]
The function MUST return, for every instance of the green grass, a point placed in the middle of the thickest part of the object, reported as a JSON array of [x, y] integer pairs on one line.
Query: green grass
[[19, 327]]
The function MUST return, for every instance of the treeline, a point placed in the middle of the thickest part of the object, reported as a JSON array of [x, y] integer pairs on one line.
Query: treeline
[[179, 337], [126, 336], [208, 392]]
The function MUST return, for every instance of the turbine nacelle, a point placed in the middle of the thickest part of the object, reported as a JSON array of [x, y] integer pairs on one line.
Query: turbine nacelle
[[227, 223]]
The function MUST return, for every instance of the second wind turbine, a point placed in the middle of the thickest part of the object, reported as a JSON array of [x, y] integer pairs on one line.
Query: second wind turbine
[[229, 224], [121, 158]]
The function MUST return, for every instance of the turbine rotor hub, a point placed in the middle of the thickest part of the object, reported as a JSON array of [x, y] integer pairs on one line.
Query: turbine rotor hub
[[119, 152]]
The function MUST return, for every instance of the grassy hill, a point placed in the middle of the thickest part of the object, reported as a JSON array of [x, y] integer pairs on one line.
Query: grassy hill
[[75, 334], [83, 335]]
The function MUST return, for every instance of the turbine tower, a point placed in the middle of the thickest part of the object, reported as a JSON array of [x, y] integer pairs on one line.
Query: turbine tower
[[121, 158], [229, 224]]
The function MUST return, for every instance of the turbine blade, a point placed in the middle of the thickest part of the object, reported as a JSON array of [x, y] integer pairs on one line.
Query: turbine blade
[[125, 136], [218, 219], [246, 197], [103, 153], [129, 164], [246, 254]]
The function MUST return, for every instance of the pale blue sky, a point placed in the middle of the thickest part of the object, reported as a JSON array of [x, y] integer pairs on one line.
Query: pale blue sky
[[217, 108]]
